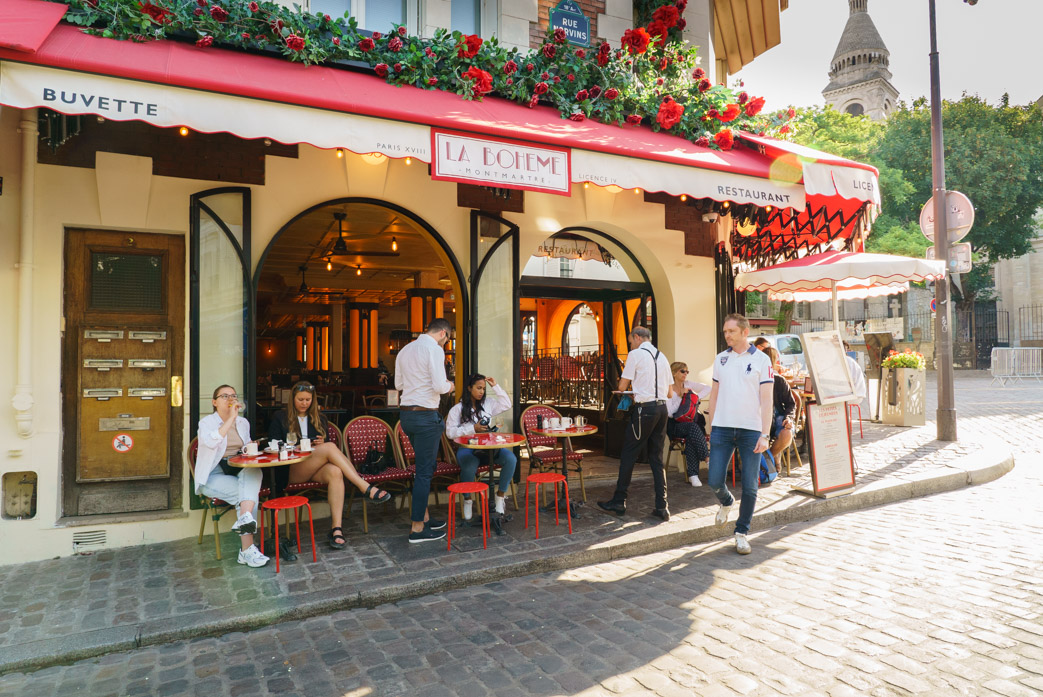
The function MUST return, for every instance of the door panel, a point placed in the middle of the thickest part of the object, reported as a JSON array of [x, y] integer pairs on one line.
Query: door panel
[[123, 349]]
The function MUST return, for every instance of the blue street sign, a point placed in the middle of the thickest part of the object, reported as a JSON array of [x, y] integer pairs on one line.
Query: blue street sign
[[568, 16]]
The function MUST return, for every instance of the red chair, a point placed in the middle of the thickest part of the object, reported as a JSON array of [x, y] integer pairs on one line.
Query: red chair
[[214, 508], [483, 506], [361, 434], [852, 406], [548, 457], [445, 472], [450, 452], [539, 479], [285, 503]]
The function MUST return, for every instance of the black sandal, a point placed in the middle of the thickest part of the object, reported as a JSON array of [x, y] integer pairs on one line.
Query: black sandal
[[332, 536], [377, 499]]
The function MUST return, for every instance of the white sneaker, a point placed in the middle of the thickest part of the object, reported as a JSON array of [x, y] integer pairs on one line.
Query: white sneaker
[[695, 480], [742, 545], [468, 506], [251, 556], [498, 505], [245, 524], [722, 514]]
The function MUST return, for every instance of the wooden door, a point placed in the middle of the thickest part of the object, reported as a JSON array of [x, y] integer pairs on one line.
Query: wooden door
[[122, 368]]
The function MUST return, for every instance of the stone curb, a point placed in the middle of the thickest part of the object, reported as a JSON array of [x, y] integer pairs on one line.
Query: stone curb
[[242, 618]]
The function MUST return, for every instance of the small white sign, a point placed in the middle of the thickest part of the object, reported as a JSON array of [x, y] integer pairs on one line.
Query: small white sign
[[501, 163], [959, 257], [123, 443], [960, 216]]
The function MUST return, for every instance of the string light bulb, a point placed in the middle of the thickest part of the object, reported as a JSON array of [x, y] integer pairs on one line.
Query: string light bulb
[[637, 190], [340, 152], [358, 270], [726, 204], [586, 185], [394, 244], [409, 160], [183, 130], [684, 197], [329, 265]]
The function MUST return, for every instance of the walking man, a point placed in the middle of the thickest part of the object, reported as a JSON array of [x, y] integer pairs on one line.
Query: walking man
[[740, 420], [420, 377], [647, 372]]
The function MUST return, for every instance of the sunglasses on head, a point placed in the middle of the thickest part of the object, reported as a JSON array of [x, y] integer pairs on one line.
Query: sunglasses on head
[[304, 388]]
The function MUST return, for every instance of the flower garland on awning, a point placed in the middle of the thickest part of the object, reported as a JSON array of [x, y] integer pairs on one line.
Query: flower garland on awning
[[653, 78]]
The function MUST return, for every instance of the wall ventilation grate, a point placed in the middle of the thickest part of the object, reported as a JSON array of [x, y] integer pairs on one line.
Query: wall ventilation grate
[[88, 542]]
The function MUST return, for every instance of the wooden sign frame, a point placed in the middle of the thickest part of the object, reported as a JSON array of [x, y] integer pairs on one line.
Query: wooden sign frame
[[832, 456]]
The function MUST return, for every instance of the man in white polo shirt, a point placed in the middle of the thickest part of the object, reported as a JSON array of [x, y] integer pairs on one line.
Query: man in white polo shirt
[[740, 420], [647, 373]]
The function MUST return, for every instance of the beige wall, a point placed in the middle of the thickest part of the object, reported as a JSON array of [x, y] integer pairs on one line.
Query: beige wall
[[120, 196]]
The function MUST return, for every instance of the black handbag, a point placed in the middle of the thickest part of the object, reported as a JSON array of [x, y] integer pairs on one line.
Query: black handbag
[[376, 460]]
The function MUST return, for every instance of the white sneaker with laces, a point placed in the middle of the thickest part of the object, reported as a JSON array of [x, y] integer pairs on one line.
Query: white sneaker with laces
[[742, 545], [468, 506], [722, 514], [245, 524], [251, 556], [695, 480]]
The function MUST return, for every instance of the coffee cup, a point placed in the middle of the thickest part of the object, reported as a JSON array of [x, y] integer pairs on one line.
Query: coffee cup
[[555, 422], [305, 445], [250, 448], [566, 422], [581, 421]]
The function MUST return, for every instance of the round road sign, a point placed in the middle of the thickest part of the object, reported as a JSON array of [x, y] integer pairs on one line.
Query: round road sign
[[960, 218]]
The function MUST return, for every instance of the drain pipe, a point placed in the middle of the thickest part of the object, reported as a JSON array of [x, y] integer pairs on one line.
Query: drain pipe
[[23, 395]]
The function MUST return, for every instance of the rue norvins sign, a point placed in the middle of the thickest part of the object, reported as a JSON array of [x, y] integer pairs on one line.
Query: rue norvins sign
[[500, 162]]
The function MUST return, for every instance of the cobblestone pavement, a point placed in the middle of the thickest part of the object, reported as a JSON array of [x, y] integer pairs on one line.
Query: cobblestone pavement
[[935, 596]]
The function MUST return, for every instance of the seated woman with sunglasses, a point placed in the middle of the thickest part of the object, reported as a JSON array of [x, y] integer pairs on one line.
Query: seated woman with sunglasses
[[223, 434], [685, 421], [473, 414], [326, 464]]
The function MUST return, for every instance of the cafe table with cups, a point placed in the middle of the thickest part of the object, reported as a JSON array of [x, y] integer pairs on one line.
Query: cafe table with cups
[[564, 428]]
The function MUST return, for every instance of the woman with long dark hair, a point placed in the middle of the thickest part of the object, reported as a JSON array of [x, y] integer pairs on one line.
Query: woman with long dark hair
[[473, 414], [327, 464]]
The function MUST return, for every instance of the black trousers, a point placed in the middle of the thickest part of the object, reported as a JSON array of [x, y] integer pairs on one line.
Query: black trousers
[[647, 426]]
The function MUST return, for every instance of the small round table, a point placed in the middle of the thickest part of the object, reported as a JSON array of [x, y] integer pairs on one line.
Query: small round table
[[491, 441], [562, 434]]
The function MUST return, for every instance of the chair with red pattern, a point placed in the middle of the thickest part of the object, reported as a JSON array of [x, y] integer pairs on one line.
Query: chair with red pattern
[[333, 436], [571, 377], [214, 508], [546, 381], [544, 451], [360, 435], [446, 472]]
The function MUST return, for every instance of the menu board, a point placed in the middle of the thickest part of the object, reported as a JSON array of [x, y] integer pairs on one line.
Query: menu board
[[832, 462], [827, 364]]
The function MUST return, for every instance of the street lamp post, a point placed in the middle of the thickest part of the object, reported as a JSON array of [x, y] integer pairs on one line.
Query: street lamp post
[[946, 415]]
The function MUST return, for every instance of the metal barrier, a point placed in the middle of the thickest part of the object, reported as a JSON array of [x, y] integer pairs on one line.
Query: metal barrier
[[1013, 364]]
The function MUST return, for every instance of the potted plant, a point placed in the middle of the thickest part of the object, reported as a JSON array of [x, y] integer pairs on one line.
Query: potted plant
[[904, 401]]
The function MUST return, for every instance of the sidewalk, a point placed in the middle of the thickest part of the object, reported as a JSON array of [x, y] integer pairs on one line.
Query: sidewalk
[[71, 608]]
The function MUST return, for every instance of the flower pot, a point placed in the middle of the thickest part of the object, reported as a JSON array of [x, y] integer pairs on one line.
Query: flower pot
[[903, 401]]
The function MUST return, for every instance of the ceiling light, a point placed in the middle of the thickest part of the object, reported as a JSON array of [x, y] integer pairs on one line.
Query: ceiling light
[[340, 152], [586, 185], [684, 197], [394, 245], [340, 246], [358, 270], [637, 190], [409, 160], [329, 265]]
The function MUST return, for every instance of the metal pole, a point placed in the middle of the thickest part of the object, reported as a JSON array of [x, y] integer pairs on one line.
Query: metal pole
[[946, 415], [836, 313]]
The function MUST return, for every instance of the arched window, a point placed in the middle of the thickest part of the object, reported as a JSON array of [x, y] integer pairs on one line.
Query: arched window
[[855, 109]]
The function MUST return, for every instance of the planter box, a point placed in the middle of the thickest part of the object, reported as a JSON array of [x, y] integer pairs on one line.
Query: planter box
[[903, 401]]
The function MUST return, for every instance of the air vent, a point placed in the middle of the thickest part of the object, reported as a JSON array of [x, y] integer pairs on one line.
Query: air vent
[[88, 542]]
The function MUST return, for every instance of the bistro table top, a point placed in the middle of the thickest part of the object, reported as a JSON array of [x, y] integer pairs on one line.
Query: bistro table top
[[565, 432], [488, 441], [266, 459]]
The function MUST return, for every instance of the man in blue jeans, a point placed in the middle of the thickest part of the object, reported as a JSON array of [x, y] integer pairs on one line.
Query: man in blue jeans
[[740, 420], [420, 377]]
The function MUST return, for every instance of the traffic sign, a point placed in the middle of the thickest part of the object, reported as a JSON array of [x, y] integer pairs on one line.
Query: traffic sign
[[934, 304], [961, 216], [959, 257]]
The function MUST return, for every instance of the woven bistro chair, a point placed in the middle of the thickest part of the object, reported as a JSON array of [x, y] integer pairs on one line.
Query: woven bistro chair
[[798, 425], [544, 451], [446, 472], [360, 434], [333, 435]]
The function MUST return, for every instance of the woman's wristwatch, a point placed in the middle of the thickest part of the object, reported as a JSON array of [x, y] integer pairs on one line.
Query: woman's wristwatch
[[766, 436]]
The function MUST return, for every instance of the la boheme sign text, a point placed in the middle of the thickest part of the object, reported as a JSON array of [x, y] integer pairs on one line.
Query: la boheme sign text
[[500, 162]]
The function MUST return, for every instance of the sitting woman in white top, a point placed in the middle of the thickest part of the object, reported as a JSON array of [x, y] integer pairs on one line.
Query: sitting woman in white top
[[223, 434], [685, 421], [473, 414]]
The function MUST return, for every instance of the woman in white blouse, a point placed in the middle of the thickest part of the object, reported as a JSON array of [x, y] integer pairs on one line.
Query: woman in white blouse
[[473, 414], [221, 435], [683, 423]]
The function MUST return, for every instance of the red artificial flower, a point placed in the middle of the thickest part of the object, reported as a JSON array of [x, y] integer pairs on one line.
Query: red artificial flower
[[549, 50], [295, 42], [327, 18], [556, 79], [468, 47], [534, 101], [90, 3], [540, 88], [604, 53], [510, 67], [397, 67], [659, 80], [730, 113], [395, 44], [376, 35], [483, 81], [698, 74], [204, 41], [381, 69], [202, 3], [594, 92], [560, 36], [664, 63], [784, 129], [743, 98], [158, 14], [402, 31], [198, 12], [544, 75], [611, 93], [582, 95], [659, 31], [681, 5], [667, 14], [580, 53], [510, 81], [636, 40], [428, 52], [724, 139], [669, 113], [755, 106], [254, 7], [336, 41], [634, 119], [432, 81], [530, 67], [704, 85], [366, 45], [711, 114], [578, 116], [219, 13], [570, 77], [246, 35], [702, 141], [681, 24]]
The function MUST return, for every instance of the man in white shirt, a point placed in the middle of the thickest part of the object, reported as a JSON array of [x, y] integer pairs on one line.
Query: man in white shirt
[[740, 420], [647, 373], [858, 378], [420, 377]]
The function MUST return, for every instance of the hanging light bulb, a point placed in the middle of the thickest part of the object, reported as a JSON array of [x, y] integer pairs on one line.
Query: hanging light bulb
[[329, 264], [340, 152], [684, 197], [358, 270], [394, 245], [586, 185], [409, 160], [183, 130], [637, 190]]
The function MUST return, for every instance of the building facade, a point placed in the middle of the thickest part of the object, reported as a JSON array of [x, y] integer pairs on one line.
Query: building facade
[[860, 71]]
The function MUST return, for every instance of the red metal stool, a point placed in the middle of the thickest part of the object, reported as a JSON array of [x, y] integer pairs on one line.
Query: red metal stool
[[851, 406], [539, 479], [281, 504], [468, 488]]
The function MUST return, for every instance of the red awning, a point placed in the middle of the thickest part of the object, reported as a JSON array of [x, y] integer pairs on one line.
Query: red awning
[[24, 24]]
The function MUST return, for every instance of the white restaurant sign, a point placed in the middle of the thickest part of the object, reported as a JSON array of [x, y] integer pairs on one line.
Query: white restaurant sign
[[500, 162]]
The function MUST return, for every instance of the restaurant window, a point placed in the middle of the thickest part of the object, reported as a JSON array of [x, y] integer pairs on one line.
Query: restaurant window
[[565, 268], [465, 16], [372, 15]]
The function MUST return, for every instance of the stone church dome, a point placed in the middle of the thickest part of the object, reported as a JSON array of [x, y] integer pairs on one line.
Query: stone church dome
[[860, 73]]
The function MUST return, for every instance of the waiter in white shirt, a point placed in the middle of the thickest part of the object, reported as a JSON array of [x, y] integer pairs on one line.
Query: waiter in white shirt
[[420, 377], [647, 371]]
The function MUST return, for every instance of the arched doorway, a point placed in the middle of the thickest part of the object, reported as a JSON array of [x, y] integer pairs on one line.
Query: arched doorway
[[339, 290]]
